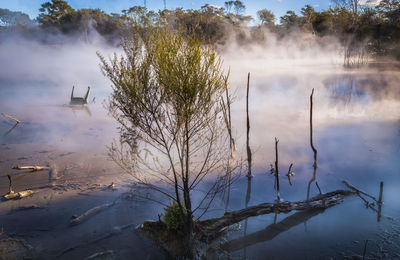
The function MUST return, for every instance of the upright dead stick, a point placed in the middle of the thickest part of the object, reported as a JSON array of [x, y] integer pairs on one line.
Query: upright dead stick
[[248, 128], [10, 117], [380, 201], [33, 168], [312, 146], [10, 190], [311, 129], [276, 169]]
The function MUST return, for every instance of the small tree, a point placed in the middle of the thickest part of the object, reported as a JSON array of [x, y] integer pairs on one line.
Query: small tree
[[167, 97]]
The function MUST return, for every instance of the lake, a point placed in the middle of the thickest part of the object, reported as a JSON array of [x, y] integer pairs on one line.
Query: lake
[[356, 132]]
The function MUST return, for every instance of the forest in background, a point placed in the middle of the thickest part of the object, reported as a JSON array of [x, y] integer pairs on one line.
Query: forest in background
[[360, 29]]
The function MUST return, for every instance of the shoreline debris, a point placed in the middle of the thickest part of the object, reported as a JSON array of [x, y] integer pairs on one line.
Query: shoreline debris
[[12, 195]]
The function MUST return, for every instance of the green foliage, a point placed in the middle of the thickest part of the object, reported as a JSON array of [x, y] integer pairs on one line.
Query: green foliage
[[267, 17], [55, 14], [173, 218]]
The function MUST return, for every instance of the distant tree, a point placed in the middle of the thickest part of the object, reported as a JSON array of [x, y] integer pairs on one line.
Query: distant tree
[[352, 5], [239, 7], [308, 14], [57, 13], [228, 6], [289, 20], [10, 18], [267, 17]]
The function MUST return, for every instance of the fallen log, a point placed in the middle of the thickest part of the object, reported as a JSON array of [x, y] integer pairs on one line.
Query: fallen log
[[209, 229], [33, 168]]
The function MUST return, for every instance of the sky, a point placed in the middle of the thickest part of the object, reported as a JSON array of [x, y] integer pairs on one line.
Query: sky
[[278, 7]]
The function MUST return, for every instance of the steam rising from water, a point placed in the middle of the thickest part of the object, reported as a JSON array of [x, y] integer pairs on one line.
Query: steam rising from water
[[36, 80]]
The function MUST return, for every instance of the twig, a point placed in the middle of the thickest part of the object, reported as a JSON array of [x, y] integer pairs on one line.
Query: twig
[[33, 168], [248, 128], [10, 117], [319, 189], [359, 191], [290, 173]]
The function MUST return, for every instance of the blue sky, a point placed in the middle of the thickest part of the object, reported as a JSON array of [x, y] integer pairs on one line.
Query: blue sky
[[278, 7]]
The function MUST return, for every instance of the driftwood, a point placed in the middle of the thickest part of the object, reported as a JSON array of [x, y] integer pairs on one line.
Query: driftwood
[[211, 228], [12, 118], [33, 168], [19, 195], [79, 219], [12, 195]]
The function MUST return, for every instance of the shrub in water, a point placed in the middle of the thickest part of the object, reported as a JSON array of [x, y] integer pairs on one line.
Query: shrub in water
[[173, 218]]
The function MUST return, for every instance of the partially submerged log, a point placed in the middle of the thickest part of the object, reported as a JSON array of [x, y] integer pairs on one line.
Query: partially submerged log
[[78, 220], [33, 168], [211, 228]]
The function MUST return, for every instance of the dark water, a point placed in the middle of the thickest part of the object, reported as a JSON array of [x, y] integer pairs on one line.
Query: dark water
[[356, 133]]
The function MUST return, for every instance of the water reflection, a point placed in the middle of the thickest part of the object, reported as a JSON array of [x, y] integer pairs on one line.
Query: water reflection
[[271, 231]]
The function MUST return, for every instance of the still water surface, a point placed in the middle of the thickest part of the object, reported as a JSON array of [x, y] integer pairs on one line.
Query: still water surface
[[356, 133]]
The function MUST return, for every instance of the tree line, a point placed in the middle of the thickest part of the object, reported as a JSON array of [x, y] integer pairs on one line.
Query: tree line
[[376, 27]]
